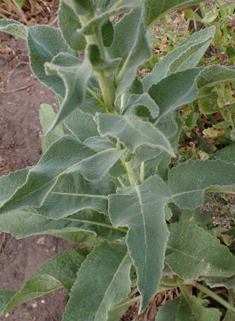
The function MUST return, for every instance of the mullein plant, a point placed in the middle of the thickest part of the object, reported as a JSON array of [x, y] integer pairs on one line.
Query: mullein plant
[[104, 179]]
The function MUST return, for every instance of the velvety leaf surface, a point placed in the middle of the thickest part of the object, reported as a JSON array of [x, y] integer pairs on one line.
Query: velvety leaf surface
[[45, 42], [154, 9], [10, 183], [103, 281], [142, 209], [5, 297], [133, 48], [193, 252], [47, 118], [168, 310], [215, 74], [69, 24], [75, 78], [226, 154], [183, 90], [117, 311], [14, 28], [215, 282], [196, 310], [137, 104], [65, 156], [83, 227], [185, 57], [132, 132], [63, 266], [106, 9], [33, 287], [81, 125], [188, 182], [73, 193]]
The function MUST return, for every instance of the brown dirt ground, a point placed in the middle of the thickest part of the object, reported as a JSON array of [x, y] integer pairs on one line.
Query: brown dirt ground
[[20, 146]]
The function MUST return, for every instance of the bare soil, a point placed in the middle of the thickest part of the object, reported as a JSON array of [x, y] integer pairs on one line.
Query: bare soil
[[20, 146]]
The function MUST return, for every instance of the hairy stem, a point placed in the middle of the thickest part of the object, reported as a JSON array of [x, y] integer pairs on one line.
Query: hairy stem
[[214, 296], [186, 296], [105, 79], [133, 177]]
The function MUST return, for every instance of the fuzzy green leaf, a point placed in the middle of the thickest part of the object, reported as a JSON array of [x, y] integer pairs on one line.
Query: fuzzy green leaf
[[73, 193], [100, 63], [33, 287], [9, 183], [45, 42], [133, 48], [193, 252], [69, 24], [189, 182], [132, 132], [14, 28], [142, 209], [226, 154], [104, 271], [47, 118], [106, 9], [63, 266], [185, 57], [183, 90], [141, 105], [215, 74], [5, 297], [168, 310], [155, 9], [87, 226], [195, 309], [75, 77], [67, 155], [107, 30]]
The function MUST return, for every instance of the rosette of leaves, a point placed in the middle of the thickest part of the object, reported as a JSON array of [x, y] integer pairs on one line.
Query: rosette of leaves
[[104, 179]]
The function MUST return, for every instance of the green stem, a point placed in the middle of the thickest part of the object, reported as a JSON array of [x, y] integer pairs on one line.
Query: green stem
[[133, 177], [214, 296], [105, 79], [186, 296], [212, 119], [99, 224], [142, 172]]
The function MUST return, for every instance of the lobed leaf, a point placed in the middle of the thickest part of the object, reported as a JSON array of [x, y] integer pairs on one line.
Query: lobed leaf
[[142, 209], [189, 182], [192, 252], [102, 281]]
